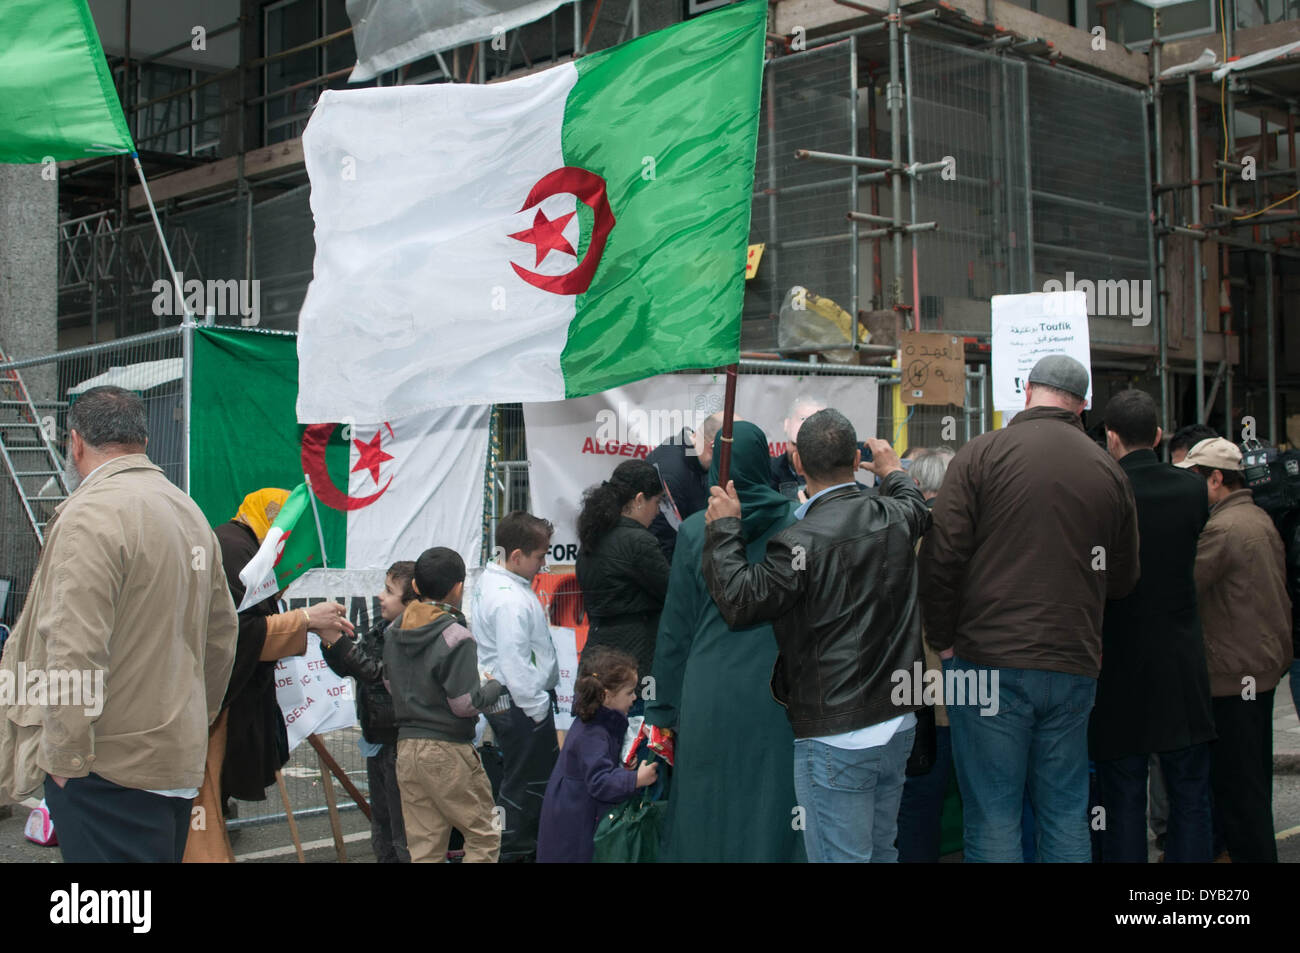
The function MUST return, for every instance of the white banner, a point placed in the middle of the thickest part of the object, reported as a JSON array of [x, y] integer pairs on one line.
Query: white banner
[[573, 444], [392, 33], [566, 654], [1027, 327]]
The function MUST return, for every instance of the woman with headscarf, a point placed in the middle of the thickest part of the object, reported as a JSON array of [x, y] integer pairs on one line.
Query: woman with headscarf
[[621, 569], [248, 743], [732, 794]]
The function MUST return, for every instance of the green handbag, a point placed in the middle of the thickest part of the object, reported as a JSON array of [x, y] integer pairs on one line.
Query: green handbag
[[629, 833]]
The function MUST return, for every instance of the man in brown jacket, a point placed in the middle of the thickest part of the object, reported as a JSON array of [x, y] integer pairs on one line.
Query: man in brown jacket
[[1246, 618], [1034, 529], [129, 597]]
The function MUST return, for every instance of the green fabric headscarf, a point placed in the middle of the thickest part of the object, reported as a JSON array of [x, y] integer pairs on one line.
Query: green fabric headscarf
[[751, 471]]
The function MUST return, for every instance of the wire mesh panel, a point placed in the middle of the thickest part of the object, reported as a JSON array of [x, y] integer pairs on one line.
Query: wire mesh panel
[[148, 364], [969, 107], [1091, 227], [799, 206], [283, 250]]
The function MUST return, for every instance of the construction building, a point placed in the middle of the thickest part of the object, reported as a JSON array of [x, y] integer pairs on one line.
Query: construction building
[[1143, 151]]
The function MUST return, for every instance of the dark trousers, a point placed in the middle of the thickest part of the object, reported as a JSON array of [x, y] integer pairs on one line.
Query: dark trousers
[[99, 822], [1241, 776], [387, 832], [1189, 835], [920, 814], [529, 752]]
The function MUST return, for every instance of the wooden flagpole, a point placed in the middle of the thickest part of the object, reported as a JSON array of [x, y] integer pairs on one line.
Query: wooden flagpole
[[728, 415]]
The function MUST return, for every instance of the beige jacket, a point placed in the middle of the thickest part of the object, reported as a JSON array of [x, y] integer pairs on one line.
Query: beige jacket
[[129, 598], [1241, 593]]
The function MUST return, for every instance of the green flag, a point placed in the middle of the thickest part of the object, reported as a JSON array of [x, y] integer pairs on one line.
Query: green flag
[[56, 94]]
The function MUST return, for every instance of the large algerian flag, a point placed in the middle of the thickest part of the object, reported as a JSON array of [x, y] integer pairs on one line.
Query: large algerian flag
[[56, 94], [384, 491], [291, 547], [548, 237]]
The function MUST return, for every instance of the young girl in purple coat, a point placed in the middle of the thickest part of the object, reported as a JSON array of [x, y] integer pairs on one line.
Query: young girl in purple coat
[[588, 777]]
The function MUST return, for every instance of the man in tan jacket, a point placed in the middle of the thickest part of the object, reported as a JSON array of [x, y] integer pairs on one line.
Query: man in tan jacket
[[1246, 618], [130, 627]]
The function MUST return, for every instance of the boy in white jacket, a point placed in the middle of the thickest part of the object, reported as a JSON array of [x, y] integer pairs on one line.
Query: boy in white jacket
[[514, 644]]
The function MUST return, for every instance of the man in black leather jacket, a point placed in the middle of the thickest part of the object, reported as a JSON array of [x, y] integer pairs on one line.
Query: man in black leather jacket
[[839, 587]]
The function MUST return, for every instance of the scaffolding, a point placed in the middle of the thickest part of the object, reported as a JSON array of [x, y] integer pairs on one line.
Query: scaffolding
[[1054, 170]]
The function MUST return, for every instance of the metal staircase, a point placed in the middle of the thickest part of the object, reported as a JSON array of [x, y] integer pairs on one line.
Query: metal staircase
[[29, 454]]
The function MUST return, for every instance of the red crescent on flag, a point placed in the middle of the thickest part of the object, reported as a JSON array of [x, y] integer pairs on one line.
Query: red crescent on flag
[[589, 188], [314, 440]]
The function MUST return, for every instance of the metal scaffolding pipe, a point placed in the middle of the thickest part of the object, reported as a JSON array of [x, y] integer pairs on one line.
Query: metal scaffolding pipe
[[900, 231], [841, 159], [1198, 306], [913, 169], [853, 190], [1162, 315], [1270, 350], [870, 28], [894, 101], [868, 217]]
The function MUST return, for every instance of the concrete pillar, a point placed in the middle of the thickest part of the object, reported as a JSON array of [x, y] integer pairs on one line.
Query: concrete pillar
[[29, 261]]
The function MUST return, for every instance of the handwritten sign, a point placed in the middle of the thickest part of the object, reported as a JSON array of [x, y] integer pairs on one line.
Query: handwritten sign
[[933, 368], [314, 700], [752, 258], [1028, 327]]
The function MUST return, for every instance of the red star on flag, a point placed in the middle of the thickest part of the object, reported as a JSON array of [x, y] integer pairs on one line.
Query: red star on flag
[[547, 235], [371, 456]]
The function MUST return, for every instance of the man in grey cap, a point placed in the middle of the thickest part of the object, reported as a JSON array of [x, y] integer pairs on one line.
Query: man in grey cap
[[1246, 618], [1034, 529]]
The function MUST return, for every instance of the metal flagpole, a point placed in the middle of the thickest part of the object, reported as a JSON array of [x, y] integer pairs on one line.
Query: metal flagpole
[[187, 324], [320, 534]]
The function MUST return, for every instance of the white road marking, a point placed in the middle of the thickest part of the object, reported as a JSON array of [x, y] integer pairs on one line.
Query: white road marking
[[308, 845]]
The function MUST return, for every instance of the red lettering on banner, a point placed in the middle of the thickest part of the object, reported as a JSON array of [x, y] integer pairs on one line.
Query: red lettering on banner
[[625, 450], [587, 446], [776, 449], [641, 451]]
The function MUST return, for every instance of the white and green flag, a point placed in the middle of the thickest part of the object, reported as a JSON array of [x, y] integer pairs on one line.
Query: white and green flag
[[544, 238], [291, 547]]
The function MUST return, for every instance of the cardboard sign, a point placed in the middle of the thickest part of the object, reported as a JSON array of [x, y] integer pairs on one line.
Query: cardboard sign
[[752, 257], [933, 368]]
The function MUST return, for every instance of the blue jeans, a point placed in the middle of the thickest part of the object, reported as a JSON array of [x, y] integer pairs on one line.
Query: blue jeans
[[850, 798], [1189, 837], [1037, 740], [920, 815]]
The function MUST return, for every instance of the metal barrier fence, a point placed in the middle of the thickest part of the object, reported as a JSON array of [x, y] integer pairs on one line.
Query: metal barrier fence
[[152, 364], [148, 363]]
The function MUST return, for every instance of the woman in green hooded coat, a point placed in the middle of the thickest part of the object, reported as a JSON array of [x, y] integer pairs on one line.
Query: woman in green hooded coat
[[732, 792]]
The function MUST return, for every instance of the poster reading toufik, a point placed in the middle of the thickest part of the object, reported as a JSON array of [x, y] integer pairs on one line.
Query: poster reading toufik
[[1028, 327]]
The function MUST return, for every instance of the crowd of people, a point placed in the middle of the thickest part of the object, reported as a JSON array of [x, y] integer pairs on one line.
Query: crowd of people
[[1087, 638]]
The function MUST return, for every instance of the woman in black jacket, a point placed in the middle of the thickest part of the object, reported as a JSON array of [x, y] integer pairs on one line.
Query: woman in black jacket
[[621, 569]]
